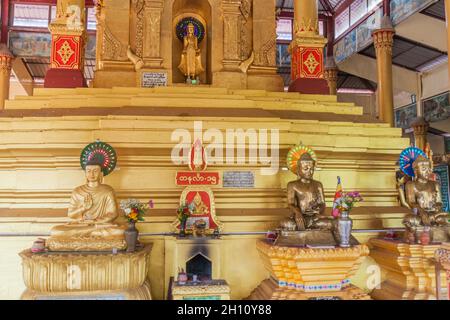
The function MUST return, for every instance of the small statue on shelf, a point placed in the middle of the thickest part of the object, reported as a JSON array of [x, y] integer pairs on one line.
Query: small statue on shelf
[[191, 63]]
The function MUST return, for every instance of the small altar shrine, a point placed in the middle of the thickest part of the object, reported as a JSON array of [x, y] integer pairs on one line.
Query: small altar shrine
[[201, 290]]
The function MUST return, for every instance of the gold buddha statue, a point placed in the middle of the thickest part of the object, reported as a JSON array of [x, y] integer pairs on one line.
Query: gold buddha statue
[[199, 207], [92, 210], [306, 200], [191, 63], [423, 195]]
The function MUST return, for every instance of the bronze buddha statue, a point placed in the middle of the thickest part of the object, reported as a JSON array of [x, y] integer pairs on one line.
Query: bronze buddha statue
[[423, 195], [92, 210], [306, 200]]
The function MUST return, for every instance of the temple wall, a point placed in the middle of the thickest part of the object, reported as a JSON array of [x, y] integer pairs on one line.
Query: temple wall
[[39, 166]]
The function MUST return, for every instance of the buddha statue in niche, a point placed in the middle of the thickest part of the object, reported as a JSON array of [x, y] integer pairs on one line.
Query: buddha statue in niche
[[306, 200], [191, 63], [92, 210], [423, 195]]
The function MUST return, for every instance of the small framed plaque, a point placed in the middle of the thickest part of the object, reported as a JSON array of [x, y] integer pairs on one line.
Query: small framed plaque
[[238, 179], [154, 79]]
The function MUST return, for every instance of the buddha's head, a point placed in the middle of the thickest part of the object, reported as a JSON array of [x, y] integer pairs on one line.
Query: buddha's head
[[93, 171], [305, 166], [422, 168], [190, 29]]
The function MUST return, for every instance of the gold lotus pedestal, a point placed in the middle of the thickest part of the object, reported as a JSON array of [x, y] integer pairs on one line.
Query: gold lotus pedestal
[[86, 275], [300, 273], [409, 270]]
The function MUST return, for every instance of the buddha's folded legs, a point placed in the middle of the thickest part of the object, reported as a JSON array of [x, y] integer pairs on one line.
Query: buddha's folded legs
[[80, 230]]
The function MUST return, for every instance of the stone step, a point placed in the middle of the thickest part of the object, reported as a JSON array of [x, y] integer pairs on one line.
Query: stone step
[[181, 97]]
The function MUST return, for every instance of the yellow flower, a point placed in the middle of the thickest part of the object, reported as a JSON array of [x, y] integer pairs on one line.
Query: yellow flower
[[133, 216]]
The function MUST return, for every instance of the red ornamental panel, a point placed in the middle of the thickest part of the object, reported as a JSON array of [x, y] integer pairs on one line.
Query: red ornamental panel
[[307, 63], [197, 178], [66, 52], [204, 209]]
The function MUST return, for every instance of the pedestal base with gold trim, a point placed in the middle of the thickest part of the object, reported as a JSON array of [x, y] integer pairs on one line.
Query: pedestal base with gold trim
[[299, 273], [443, 255], [409, 270], [270, 290], [85, 244], [141, 293], [88, 275], [211, 290]]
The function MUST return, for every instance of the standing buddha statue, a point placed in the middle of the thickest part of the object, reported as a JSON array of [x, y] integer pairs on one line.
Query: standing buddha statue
[[191, 63]]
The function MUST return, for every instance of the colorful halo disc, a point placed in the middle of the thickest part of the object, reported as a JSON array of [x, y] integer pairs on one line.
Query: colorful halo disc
[[103, 152], [407, 158], [199, 28], [294, 155]]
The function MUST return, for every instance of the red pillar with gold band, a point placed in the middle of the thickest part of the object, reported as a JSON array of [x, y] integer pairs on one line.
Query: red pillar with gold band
[[307, 47], [68, 43]]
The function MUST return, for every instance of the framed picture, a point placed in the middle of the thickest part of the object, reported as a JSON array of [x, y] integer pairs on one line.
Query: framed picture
[[443, 177], [30, 44], [437, 108], [405, 115]]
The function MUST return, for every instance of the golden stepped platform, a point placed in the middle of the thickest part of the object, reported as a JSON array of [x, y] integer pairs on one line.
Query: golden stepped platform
[[41, 137]]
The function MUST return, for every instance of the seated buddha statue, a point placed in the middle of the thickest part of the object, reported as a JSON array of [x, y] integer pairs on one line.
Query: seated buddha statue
[[423, 195], [199, 207], [306, 200], [92, 210]]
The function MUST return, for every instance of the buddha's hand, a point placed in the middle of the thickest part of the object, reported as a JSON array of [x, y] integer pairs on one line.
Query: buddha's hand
[[88, 203]]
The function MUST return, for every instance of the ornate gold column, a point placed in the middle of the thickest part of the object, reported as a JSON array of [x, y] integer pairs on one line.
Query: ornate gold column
[[331, 75], [152, 33], [420, 127], [6, 60], [383, 40], [231, 34], [307, 50]]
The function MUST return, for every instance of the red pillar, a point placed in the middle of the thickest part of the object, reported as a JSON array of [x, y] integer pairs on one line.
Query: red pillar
[[307, 51], [68, 43]]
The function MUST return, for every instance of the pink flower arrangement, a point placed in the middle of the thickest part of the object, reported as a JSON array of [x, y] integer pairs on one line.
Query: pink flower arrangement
[[348, 201]]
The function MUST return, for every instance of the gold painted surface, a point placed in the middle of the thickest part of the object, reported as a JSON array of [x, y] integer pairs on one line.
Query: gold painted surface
[[237, 31], [39, 165], [304, 267], [200, 291], [269, 290], [141, 293], [312, 266], [49, 273], [409, 270], [383, 41]]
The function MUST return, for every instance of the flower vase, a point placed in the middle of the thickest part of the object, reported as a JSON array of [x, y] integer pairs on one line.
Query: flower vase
[[131, 236], [344, 229]]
